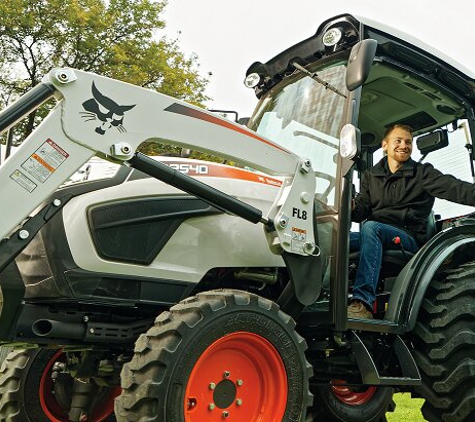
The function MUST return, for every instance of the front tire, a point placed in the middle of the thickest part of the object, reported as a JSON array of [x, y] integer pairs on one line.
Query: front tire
[[221, 355], [444, 341]]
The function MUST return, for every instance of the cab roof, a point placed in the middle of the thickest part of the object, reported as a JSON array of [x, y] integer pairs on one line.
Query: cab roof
[[410, 82]]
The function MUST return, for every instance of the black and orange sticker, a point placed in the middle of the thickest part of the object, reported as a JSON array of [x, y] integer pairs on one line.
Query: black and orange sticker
[[299, 234], [45, 161], [299, 237]]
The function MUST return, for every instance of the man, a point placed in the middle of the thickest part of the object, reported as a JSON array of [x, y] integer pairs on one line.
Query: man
[[396, 198]]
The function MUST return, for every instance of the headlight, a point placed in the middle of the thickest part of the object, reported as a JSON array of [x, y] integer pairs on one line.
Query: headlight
[[331, 37], [252, 80], [349, 141]]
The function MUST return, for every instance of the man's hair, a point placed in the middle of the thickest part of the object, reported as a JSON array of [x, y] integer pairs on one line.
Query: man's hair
[[397, 126]]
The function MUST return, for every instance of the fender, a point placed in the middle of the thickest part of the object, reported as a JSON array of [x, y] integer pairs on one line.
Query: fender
[[412, 283]]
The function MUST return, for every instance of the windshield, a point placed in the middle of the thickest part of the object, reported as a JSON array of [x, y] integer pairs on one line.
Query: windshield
[[96, 168], [306, 118]]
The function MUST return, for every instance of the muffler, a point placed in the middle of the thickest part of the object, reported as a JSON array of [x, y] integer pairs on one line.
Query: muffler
[[58, 329]]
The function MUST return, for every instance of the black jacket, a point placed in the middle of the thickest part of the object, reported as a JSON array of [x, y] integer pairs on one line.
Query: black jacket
[[405, 198]]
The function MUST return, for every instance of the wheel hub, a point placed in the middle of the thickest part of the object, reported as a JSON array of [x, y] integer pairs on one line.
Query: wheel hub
[[224, 394]]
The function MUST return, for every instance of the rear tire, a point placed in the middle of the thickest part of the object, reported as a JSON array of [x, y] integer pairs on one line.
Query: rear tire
[[220, 355], [27, 393], [4, 352], [351, 404], [444, 340]]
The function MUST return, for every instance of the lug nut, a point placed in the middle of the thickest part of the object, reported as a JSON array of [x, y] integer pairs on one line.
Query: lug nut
[[211, 406], [212, 386], [239, 382], [239, 402], [225, 414], [226, 374]]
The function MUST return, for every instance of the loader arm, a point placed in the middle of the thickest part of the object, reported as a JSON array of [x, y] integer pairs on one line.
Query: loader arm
[[108, 118]]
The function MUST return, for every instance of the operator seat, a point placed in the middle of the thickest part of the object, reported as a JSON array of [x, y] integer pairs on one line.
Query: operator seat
[[396, 256]]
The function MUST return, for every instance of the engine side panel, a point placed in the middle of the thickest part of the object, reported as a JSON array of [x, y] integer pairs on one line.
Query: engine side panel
[[198, 244]]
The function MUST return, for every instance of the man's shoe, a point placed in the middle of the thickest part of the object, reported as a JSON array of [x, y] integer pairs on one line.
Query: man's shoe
[[358, 310]]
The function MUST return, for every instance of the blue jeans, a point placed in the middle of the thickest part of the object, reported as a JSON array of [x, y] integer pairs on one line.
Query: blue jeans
[[370, 241]]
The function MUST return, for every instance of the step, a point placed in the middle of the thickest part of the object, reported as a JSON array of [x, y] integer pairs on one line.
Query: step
[[369, 372]]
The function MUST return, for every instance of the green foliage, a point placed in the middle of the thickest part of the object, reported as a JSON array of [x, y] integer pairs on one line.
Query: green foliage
[[407, 409], [115, 38]]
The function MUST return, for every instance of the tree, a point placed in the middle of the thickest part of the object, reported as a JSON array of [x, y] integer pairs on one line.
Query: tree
[[115, 38]]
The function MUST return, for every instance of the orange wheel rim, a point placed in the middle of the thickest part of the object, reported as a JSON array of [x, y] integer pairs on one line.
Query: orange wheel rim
[[54, 411], [240, 377], [351, 396]]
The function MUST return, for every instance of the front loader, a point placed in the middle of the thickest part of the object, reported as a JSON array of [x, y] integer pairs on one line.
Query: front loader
[[185, 290]]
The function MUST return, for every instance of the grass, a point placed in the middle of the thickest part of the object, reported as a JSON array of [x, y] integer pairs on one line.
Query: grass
[[407, 409]]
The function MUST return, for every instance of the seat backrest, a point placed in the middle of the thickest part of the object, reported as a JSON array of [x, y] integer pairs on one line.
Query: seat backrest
[[397, 256], [431, 226]]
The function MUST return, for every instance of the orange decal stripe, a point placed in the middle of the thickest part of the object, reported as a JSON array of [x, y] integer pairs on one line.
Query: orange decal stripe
[[187, 111]]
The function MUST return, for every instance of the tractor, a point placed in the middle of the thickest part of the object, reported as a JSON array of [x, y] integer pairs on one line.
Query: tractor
[[180, 290]]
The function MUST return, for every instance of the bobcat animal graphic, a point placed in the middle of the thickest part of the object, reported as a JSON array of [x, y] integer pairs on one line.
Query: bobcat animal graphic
[[106, 110]]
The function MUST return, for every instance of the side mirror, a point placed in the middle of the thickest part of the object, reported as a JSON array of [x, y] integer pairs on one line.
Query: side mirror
[[244, 120], [359, 63], [432, 141]]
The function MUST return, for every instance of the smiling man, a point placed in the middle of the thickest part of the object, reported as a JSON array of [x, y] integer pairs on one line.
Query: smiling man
[[395, 201], [397, 144]]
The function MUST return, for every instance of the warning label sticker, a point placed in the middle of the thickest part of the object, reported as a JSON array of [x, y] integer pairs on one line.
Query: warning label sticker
[[23, 180], [299, 237], [45, 160]]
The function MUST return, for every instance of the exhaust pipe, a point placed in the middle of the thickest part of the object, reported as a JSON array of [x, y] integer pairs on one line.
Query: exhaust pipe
[[58, 329]]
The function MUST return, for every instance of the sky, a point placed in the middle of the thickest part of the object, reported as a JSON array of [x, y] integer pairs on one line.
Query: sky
[[228, 36]]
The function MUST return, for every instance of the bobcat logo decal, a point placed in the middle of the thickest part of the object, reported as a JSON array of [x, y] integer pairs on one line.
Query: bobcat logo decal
[[106, 110]]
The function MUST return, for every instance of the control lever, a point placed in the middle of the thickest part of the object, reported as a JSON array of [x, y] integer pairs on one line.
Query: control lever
[[398, 243]]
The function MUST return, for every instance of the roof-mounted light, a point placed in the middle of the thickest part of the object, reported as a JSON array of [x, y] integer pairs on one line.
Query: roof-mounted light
[[252, 80], [331, 37]]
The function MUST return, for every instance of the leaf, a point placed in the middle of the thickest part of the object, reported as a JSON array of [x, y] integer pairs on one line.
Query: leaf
[[116, 38]]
